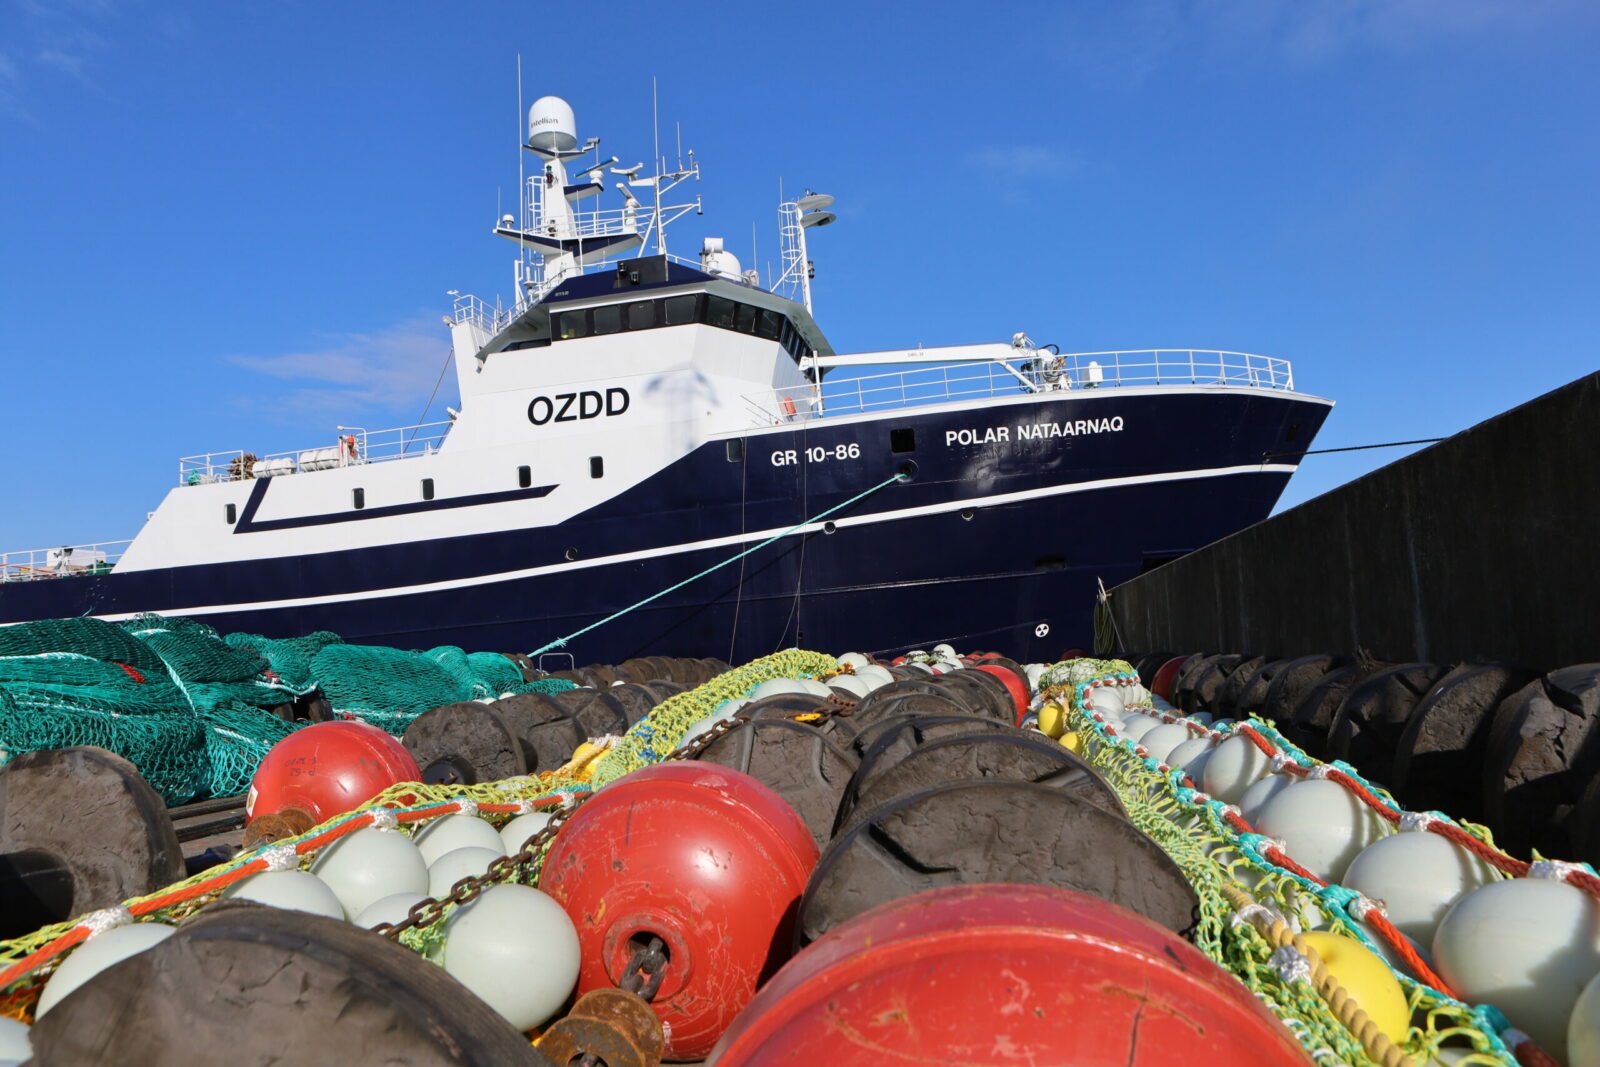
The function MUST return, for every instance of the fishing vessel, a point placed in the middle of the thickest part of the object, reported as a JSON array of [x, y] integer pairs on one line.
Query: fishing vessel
[[657, 454]]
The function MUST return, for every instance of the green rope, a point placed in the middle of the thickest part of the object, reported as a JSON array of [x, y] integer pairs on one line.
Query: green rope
[[561, 642]]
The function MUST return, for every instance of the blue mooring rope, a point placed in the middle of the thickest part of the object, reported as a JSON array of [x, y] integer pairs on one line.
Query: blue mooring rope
[[561, 642]]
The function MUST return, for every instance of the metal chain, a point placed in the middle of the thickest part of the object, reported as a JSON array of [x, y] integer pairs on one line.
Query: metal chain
[[645, 970], [835, 706], [525, 864]]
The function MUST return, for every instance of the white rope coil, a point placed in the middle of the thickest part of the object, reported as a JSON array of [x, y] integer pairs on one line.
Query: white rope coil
[[281, 858], [98, 922]]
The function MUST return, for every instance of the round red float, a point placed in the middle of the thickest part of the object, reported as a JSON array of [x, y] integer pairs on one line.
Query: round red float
[[1166, 677], [1014, 685], [1012, 973], [328, 768], [705, 858]]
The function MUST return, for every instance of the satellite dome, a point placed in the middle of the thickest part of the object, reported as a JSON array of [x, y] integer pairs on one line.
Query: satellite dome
[[551, 124]]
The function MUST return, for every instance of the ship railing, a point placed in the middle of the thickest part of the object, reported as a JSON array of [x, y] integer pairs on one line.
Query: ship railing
[[353, 446], [491, 318], [1043, 373], [66, 561]]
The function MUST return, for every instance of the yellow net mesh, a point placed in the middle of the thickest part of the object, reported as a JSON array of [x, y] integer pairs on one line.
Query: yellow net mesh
[[1192, 830], [649, 741]]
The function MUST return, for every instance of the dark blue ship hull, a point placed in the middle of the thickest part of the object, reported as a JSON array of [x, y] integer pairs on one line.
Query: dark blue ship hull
[[994, 543]]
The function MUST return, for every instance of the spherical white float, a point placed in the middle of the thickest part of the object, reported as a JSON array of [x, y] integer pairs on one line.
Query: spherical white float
[[1135, 696], [849, 685], [1528, 946], [1134, 727], [451, 867], [515, 948], [389, 909], [776, 687], [515, 834], [371, 864], [1233, 768], [95, 955], [1583, 1028], [815, 688], [450, 832], [1159, 742], [1261, 791], [15, 1046], [706, 725], [1418, 876], [1322, 824], [854, 660], [1192, 756], [1105, 698], [875, 675], [293, 890]]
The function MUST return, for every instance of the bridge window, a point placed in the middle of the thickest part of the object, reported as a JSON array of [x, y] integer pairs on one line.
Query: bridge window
[[643, 316], [721, 312], [718, 311], [748, 313], [682, 309], [770, 324], [607, 319], [572, 324]]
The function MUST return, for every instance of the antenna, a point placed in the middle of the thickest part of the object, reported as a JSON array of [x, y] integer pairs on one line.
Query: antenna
[[522, 189], [754, 257], [655, 122]]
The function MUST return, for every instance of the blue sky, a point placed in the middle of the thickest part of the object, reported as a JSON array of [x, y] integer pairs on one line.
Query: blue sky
[[234, 225]]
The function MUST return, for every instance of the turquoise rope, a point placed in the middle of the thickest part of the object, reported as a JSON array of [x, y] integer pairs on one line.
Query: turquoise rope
[[561, 642]]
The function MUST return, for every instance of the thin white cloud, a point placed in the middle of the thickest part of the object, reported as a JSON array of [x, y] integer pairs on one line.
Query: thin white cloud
[[48, 40], [1128, 41], [387, 372], [1013, 171], [66, 62]]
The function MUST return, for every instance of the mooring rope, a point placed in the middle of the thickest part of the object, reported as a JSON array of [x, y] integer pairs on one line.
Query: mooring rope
[[561, 642]]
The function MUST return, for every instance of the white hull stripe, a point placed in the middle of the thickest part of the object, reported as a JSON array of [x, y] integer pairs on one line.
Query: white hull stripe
[[722, 542]]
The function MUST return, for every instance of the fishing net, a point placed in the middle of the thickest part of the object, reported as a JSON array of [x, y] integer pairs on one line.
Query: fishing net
[[383, 686], [289, 657], [1215, 856], [168, 747], [648, 741], [194, 651], [86, 637]]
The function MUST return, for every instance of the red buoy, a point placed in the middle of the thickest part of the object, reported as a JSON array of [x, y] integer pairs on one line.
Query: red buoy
[[1014, 685], [1013, 973], [328, 768], [1166, 677], [706, 859]]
